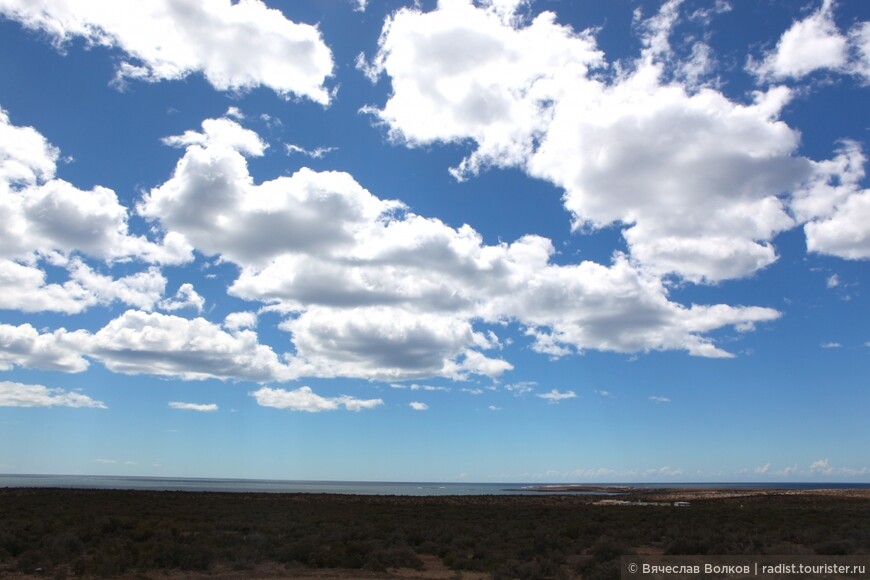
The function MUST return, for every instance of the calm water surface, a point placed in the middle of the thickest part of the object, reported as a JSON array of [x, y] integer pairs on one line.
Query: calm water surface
[[351, 487]]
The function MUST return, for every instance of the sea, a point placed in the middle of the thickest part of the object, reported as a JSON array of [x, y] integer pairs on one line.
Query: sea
[[196, 484]]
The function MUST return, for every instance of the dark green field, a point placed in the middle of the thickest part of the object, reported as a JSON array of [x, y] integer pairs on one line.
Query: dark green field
[[76, 533]]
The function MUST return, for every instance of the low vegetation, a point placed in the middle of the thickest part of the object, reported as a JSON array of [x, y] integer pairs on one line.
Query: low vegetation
[[75, 533]]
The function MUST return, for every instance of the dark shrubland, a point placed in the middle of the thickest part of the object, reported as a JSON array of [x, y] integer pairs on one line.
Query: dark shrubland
[[65, 533]]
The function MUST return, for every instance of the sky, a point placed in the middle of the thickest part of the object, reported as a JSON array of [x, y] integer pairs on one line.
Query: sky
[[491, 241]]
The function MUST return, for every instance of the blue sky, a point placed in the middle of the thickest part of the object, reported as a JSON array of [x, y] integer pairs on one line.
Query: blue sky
[[488, 241]]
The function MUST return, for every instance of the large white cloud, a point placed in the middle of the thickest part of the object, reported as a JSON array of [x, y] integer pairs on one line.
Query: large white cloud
[[21, 395], [159, 344], [369, 289], [25, 346], [696, 179], [373, 291], [463, 72], [48, 221], [235, 45], [388, 344], [211, 199]]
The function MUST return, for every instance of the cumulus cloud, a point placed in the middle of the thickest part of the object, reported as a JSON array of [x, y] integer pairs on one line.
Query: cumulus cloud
[[387, 344], [235, 45], [368, 289], [304, 399], [139, 342], [694, 178], [808, 45], [51, 217], [50, 222], [418, 406], [375, 291], [202, 408], [21, 395], [240, 320], [186, 297], [463, 71], [24, 346], [835, 206]]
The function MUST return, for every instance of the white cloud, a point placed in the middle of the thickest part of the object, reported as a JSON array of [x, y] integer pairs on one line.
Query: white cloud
[[418, 406], [386, 344], [24, 346], [159, 344], [835, 205], [48, 221], [235, 45], [461, 71], [416, 387], [665, 471], [20, 395], [658, 399], [554, 396], [186, 297], [810, 44], [316, 153], [831, 345], [373, 291], [25, 288], [202, 408], [304, 399], [860, 40], [693, 177], [51, 217], [240, 320], [521, 388], [211, 200], [822, 466], [763, 469]]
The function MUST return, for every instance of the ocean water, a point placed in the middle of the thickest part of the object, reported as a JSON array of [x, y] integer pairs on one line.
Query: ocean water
[[352, 487]]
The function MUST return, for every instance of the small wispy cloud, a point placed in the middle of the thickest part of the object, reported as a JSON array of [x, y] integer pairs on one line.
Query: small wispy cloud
[[418, 406], [202, 408], [603, 393], [833, 281], [114, 462], [521, 388], [657, 399], [555, 395], [235, 113], [316, 153], [494, 408], [416, 387], [831, 345], [762, 469]]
